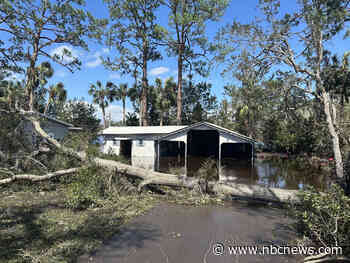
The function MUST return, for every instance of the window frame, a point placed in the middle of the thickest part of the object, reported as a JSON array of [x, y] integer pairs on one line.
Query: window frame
[[140, 142]]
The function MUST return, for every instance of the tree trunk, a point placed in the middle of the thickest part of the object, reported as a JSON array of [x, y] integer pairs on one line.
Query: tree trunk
[[179, 85], [161, 119], [38, 178], [335, 138], [104, 117], [141, 114], [30, 85], [140, 108], [124, 115], [32, 74], [47, 106], [144, 87]]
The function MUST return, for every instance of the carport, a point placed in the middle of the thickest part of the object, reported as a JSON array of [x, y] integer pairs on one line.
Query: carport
[[189, 146]]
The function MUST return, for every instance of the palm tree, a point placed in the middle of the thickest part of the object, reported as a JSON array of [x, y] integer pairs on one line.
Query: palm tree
[[12, 93], [163, 102], [102, 96], [57, 95], [135, 95], [41, 74], [122, 93]]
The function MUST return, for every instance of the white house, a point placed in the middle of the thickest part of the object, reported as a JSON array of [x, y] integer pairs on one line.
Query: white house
[[147, 146]]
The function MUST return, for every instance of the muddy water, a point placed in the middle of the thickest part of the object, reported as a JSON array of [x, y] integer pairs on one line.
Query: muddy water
[[281, 173], [175, 234], [286, 174]]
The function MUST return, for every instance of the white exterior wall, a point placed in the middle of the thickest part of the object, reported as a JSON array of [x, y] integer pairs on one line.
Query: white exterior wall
[[110, 148], [143, 156], [226, 138], [180, 138]]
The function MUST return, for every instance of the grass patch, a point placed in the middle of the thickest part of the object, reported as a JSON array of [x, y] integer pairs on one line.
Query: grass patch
[[38, 227]]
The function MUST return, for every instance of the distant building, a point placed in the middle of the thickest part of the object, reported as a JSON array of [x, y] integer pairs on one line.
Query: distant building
[[55, 128], [147, 146]]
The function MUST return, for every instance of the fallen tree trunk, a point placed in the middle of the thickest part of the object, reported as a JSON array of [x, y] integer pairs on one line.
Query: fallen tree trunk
[[37, 178], [257, 192], [240, 190], [156, 178], [151, 177], [326, 258]]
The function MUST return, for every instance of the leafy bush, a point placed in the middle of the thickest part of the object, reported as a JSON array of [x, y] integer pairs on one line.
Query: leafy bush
[[87, 189], [324, 218], [94, 186], [209, 170]]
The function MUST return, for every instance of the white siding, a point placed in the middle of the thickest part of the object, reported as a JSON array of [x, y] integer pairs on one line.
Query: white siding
[[143, 156], [109, 147], [179, 138], [226, 138]]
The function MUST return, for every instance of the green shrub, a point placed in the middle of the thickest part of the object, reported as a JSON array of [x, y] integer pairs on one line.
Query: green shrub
[[324, 218], [94, 186], [208, 170], [87, 189]]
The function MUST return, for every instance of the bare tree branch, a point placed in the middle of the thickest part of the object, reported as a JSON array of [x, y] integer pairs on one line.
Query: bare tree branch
[[37, 178]]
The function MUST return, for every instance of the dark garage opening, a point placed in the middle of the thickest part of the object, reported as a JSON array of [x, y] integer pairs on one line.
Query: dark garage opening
[[236, 151], [202, 144], [236, 162], [172, 157], [125, 148]]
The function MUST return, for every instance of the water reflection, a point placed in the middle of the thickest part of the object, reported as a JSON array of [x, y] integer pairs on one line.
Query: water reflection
[[286, 174], [279, 173]]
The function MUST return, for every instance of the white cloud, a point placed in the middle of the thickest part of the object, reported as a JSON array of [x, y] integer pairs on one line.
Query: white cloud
[[60, 52], [115, 111], [94, 63], [60, 74], [159, 71], [96, 60], [105, 50], [114, 76]]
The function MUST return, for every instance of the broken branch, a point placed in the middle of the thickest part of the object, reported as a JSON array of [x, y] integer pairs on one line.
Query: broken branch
[[37, 178]]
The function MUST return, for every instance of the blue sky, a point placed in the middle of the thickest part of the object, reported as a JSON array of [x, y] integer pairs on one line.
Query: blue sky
[[92, 70]]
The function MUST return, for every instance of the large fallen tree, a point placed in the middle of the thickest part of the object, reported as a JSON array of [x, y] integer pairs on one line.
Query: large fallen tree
[[151, 177]]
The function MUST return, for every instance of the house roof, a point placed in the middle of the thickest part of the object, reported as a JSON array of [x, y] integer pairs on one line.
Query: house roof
[[209, 125], [71, 126], [134, 130], [163, 132], [54, 119]]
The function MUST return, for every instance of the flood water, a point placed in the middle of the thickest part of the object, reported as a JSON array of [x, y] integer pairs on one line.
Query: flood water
[[279, 173], [174, 234]]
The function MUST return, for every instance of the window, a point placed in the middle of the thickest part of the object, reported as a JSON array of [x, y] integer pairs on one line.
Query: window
[[116, 142], [140, 142]]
